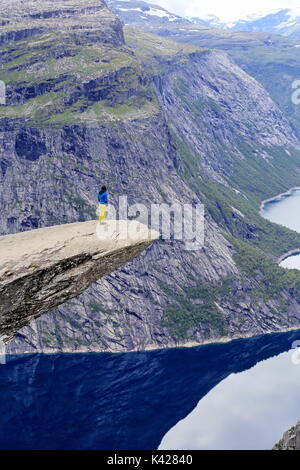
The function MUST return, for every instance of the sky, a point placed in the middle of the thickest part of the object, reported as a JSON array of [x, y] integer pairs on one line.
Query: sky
[[228, 10]]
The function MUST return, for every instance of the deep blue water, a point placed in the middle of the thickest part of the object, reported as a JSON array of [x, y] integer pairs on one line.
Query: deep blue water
[[147, 399], [239, 395]]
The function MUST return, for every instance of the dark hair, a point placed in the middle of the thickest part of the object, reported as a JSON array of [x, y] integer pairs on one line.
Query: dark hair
[[104, 188]]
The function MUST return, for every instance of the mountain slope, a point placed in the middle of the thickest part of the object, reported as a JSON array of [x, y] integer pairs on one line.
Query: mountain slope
[[160, 122], [140, 14], [283, 21], [208, 20], [273, 60], [136, 12], [290, 439]]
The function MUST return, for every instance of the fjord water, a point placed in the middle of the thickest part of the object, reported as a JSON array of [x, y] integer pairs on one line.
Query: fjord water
[[242, 394], [247, 410], [286, 211], [238, 395]]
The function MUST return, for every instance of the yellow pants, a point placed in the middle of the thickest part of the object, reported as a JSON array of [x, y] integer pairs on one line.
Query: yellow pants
[[102, 212]]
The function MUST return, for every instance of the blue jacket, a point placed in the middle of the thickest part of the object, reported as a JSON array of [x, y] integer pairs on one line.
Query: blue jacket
[[103, 198]]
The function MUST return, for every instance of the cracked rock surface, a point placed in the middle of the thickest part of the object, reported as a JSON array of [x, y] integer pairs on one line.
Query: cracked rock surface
[[41, 269]]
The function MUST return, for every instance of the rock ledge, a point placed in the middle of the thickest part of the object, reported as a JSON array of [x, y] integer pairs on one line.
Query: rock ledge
[[41, 269]]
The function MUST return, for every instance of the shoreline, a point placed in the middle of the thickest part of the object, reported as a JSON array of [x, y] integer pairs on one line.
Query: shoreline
[[277, 198], [287, 255], [295, 251], [187, 345]]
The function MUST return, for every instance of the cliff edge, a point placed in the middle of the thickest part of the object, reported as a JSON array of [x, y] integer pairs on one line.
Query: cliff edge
[[290, 439], [41, 269]]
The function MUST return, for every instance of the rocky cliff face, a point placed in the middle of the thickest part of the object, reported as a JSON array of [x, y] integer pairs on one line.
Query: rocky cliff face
[[271, 59], [44, 268], [159, 122], [91, 19], [290, 439]]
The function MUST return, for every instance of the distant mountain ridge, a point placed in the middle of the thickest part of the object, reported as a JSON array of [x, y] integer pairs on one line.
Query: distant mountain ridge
[[208, 20], [272, 59], [138, 11], [285, 22]]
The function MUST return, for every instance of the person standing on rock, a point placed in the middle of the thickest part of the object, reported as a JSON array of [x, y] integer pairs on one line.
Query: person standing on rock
[[103, 203]]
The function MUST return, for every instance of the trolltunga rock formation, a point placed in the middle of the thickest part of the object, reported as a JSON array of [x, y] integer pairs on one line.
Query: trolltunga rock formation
[[41, 269]]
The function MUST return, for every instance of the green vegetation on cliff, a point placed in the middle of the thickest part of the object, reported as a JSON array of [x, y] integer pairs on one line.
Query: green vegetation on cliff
[[156, 53], [86, 82]]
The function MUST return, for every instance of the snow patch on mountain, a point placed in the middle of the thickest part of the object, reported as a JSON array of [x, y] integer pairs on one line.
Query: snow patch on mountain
[[160, 13], [284, 21], [207, 20], [138, 9], [131, 9], [257, 16], [293, 18]]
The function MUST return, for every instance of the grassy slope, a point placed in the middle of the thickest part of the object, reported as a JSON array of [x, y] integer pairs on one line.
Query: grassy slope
[[91, 67]]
